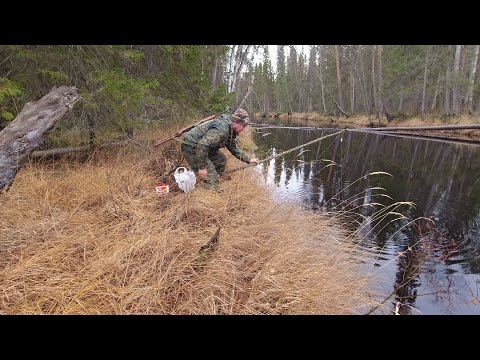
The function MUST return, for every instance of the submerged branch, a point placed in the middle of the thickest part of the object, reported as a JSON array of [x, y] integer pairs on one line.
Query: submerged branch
[[285, 152]]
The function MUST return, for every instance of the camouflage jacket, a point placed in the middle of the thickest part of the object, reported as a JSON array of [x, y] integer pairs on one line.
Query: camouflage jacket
[[213, 135]]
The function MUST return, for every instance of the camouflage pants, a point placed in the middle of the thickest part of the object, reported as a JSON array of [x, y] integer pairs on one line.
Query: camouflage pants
[[216, 163]]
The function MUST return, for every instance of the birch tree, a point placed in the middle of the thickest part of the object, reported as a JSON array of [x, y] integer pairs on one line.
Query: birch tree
[[374, 102], [321, 70], [380, 81], [339, 76], [447, 83], [455, 91], [471, 79], [424, 82], [238, 59], [312, 64], [352, 82], [281, 78]]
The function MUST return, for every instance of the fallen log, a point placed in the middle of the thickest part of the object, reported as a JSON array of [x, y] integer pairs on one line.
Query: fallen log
[[415, 128], [420, 137], [26, 132], [63, 151]]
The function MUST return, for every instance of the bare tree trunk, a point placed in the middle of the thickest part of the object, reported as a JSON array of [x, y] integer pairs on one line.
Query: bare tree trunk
[[258, 101], [402, 92], [64, 151], [335, 101], [352, 82], [216, 63], [424, 82], [310, 97], [339, 77], [236, 65], [380, 81], [25, 133], [239, 64], [230, 69], [434, 102], [264, 100], [288, 99], [472, 79], [462, 90], [279, 105], [366, 99], [456, 68], [447, 81], [238, 58], [245, 96], [374, 103], [91, 130], [320, 66], [300, 99]]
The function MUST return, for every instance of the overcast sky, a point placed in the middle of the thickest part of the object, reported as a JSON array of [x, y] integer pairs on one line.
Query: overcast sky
[[272, 49], [273, 53]]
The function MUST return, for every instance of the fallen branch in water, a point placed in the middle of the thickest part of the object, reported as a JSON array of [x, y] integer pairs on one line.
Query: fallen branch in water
[[285, 152]]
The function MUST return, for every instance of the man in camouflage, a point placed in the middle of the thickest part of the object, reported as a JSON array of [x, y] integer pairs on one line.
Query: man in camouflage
[[201, 145]]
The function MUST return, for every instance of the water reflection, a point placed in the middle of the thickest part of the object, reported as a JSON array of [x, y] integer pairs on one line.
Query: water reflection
[[441, 179]]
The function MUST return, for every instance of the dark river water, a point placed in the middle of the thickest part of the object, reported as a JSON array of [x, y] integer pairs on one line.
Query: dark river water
[[431, 266]]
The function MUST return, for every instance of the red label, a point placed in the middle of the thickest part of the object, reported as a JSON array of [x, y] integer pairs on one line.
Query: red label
[[162, 188]]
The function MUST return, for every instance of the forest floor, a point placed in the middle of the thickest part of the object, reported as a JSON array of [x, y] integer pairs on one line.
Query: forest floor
[[470, 135]]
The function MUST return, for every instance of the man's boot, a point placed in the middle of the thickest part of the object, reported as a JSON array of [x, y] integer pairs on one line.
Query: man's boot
[[215, 186], [225, 177]]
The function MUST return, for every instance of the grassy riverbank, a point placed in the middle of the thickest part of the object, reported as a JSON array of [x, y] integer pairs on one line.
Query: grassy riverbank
[[94, 238]]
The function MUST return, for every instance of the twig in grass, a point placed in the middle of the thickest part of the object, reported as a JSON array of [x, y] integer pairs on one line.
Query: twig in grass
[[206, 250]]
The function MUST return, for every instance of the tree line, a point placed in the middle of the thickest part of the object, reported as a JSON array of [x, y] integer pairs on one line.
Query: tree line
[[125, 87], [376, 80]]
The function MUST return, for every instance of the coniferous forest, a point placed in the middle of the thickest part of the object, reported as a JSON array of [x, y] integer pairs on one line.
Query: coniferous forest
[[126, 87]]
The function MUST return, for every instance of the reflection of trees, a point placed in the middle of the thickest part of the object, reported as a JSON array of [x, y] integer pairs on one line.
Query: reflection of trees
[[409, 262], [317, 196]]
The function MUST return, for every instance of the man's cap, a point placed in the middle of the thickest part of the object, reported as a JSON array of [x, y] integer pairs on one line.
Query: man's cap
[[241, 115]]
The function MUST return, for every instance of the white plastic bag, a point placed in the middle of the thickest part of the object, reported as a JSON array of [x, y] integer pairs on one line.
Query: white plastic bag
[[185, 179]]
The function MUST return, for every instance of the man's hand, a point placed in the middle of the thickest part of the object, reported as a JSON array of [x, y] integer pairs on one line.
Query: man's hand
[[202, 173], [254, 161]]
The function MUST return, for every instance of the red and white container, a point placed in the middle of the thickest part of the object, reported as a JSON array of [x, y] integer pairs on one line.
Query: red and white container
[[162, 188]]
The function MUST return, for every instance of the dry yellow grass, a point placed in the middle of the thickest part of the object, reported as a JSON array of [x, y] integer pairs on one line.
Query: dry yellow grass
[[95, 238]]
